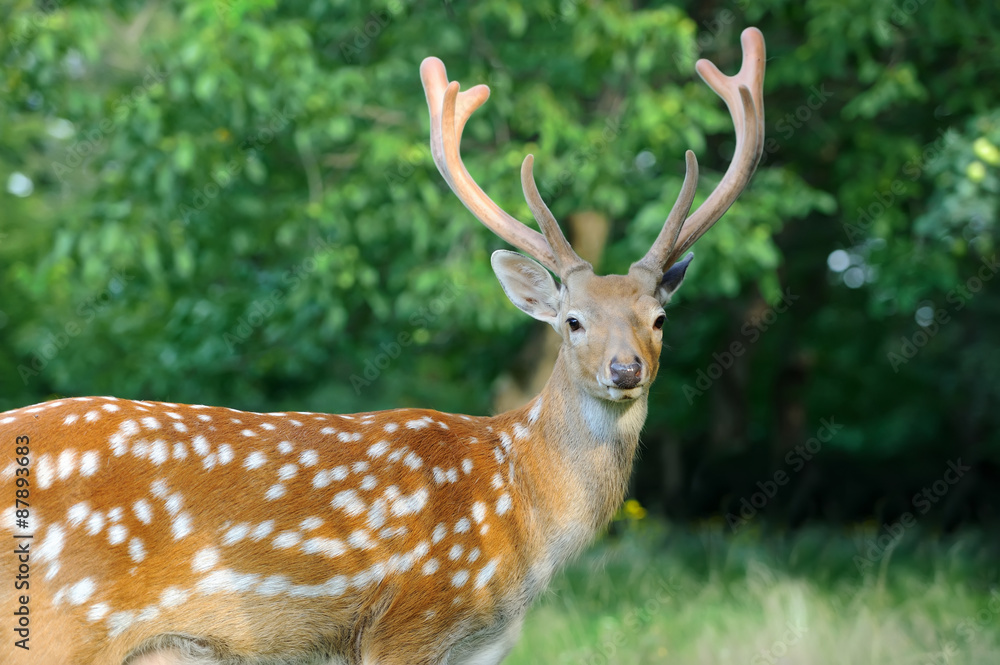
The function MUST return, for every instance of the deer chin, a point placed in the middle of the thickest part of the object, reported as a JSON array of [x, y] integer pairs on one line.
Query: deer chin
[[622, 395]]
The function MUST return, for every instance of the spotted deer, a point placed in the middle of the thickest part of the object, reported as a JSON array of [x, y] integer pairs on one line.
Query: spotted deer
[[162, 533]]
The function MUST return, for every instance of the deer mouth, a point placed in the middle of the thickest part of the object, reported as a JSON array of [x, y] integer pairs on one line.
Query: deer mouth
[[624, 395]]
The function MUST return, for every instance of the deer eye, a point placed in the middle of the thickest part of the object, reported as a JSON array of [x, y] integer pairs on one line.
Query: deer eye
[[573, 323], [658, 323]]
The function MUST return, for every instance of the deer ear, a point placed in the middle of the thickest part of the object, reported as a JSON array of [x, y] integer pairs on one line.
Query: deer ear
[[672, 279], [528, 285]]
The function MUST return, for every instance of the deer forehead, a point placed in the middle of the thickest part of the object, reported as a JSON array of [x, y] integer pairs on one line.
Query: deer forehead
[[614, 297]]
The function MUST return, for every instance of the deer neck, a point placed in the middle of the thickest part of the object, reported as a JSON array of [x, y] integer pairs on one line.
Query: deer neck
[[577, 463]]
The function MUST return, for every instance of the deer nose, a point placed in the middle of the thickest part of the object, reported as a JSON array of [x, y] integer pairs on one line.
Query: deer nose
[[626, 376]]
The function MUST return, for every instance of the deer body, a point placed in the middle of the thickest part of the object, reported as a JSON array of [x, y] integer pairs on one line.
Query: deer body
[[168, 533], [304, 536]]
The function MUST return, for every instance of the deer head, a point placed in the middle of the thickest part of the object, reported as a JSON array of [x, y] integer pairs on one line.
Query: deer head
[[611, 325]]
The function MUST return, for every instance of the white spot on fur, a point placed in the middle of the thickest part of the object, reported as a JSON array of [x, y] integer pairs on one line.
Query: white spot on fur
[[479, 512], [89, 463], [66, 464], [503, 504], [255, 460], [119, 622], [200, 445], [460, 578], [430, 567], [439, 533], [97, 612], [391, 427], [143, 511], [136, 550], [505, 441], [44, 473], [205, 559], [181, 526], [378, 449], [95, 523], [349, 501], [328, 547], [52, 545], [226, 454], [536, 411], [360, 540], [69, 420], [158, 453], [286, 539], [77, 514], [173, 597], [310, 523], [274, 492], [467, 466], [486, 573], [81, 592], [236, 534], [408, 504], [117, 533]]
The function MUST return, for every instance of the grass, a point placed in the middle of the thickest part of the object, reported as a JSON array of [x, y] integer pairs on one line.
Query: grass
[[659, 594]]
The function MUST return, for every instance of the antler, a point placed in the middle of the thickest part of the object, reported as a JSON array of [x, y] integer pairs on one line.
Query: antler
[[449, 111], [743, 94]]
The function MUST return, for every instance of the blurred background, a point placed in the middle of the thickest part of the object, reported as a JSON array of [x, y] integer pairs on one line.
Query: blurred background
[[232, 202]]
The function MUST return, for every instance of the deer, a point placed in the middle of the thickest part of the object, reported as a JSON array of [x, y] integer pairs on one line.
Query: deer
[[151, 532]]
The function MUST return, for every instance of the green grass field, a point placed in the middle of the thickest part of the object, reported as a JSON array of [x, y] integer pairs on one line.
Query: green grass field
[[660, 594]]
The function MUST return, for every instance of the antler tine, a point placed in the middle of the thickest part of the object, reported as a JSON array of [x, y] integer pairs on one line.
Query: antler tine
[[449, 111], [656, 258], [566, 259], [743, 94]]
